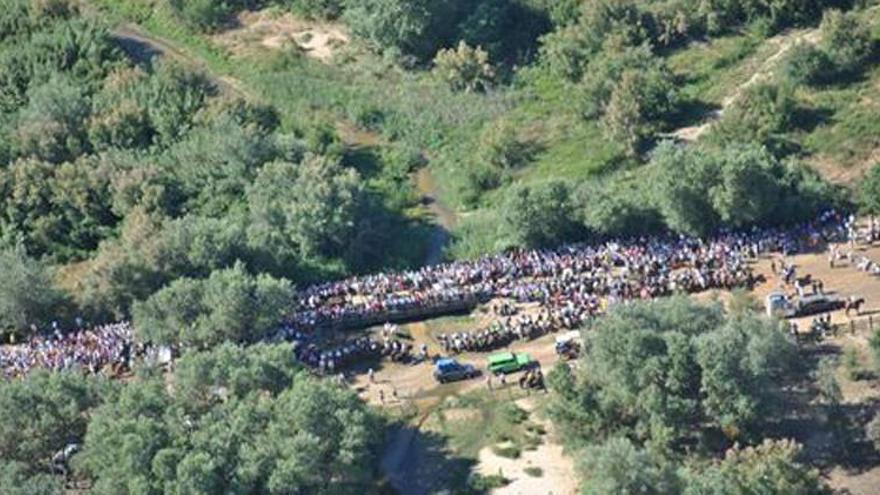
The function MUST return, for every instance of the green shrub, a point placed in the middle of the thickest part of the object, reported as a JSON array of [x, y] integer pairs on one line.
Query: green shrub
[[316, 9], [852, 364], [847, 41], [203, 15], [806, 64], [508, 450], [481, 483], [513, 413], [874, 344], [534, 471], [464, 68]]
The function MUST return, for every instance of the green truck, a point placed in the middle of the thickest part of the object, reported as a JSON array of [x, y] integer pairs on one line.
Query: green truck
[[508, 362]]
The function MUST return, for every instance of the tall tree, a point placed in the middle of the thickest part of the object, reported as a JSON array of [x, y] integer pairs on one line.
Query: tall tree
[[45, 412], [228, 306], [28, 295], [537, 216], [771, 467], [398, 25], [742, 362], [618, 466], [311, 207], [623, 120], [869, 192]]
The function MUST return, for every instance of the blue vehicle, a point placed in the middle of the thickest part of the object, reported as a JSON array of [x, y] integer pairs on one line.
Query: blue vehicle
[[449, 370]]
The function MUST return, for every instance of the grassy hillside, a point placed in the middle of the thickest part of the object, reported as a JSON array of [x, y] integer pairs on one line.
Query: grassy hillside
[[541, 114]]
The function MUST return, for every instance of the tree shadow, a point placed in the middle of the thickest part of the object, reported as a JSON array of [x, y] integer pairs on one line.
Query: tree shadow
[[808, 119], [385, 236], [692, 112], [419, 462], [139, 51], [833, 435], [364, 159]]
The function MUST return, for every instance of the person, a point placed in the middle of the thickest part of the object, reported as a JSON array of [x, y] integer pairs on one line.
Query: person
[[370, 374]]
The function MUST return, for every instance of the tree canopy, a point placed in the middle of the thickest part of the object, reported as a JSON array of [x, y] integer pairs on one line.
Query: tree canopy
[[45, 413], [237, 422], [657, 378], [666, 371], [230, 305], [28, 295]]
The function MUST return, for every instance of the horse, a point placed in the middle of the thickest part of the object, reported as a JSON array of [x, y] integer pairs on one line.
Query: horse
[[854, 303]]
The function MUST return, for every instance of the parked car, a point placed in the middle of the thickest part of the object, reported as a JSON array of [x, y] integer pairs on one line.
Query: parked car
[[508, 362], [568, 345], [449, 370], [778, 304]]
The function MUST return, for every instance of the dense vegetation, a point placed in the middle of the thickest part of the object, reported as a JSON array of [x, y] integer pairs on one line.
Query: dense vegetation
[[664, 386], [504, 95], [235, 421], [132, 176], [151, 189]]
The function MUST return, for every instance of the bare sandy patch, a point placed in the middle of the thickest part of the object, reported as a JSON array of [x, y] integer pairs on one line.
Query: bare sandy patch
[[271, 30], [461, 414], [556, 477], [863, 483]]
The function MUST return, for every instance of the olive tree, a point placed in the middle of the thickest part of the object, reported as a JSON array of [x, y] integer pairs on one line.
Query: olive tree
[[464, 68], [28, 295], [230, 305]]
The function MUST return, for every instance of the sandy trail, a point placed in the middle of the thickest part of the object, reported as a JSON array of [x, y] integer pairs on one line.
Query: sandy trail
[[785, 42], [143, 46], [557, 468]]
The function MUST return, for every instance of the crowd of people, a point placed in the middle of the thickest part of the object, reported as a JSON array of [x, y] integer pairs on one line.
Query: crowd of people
[[568, 285], [91, 349], [502, 332], [329, 359], [618, 270]]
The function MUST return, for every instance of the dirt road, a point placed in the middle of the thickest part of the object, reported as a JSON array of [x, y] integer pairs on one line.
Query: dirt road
[[143, 46]]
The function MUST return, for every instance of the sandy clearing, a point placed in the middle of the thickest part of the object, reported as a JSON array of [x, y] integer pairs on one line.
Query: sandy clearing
[[557, 477], [272, 30]]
